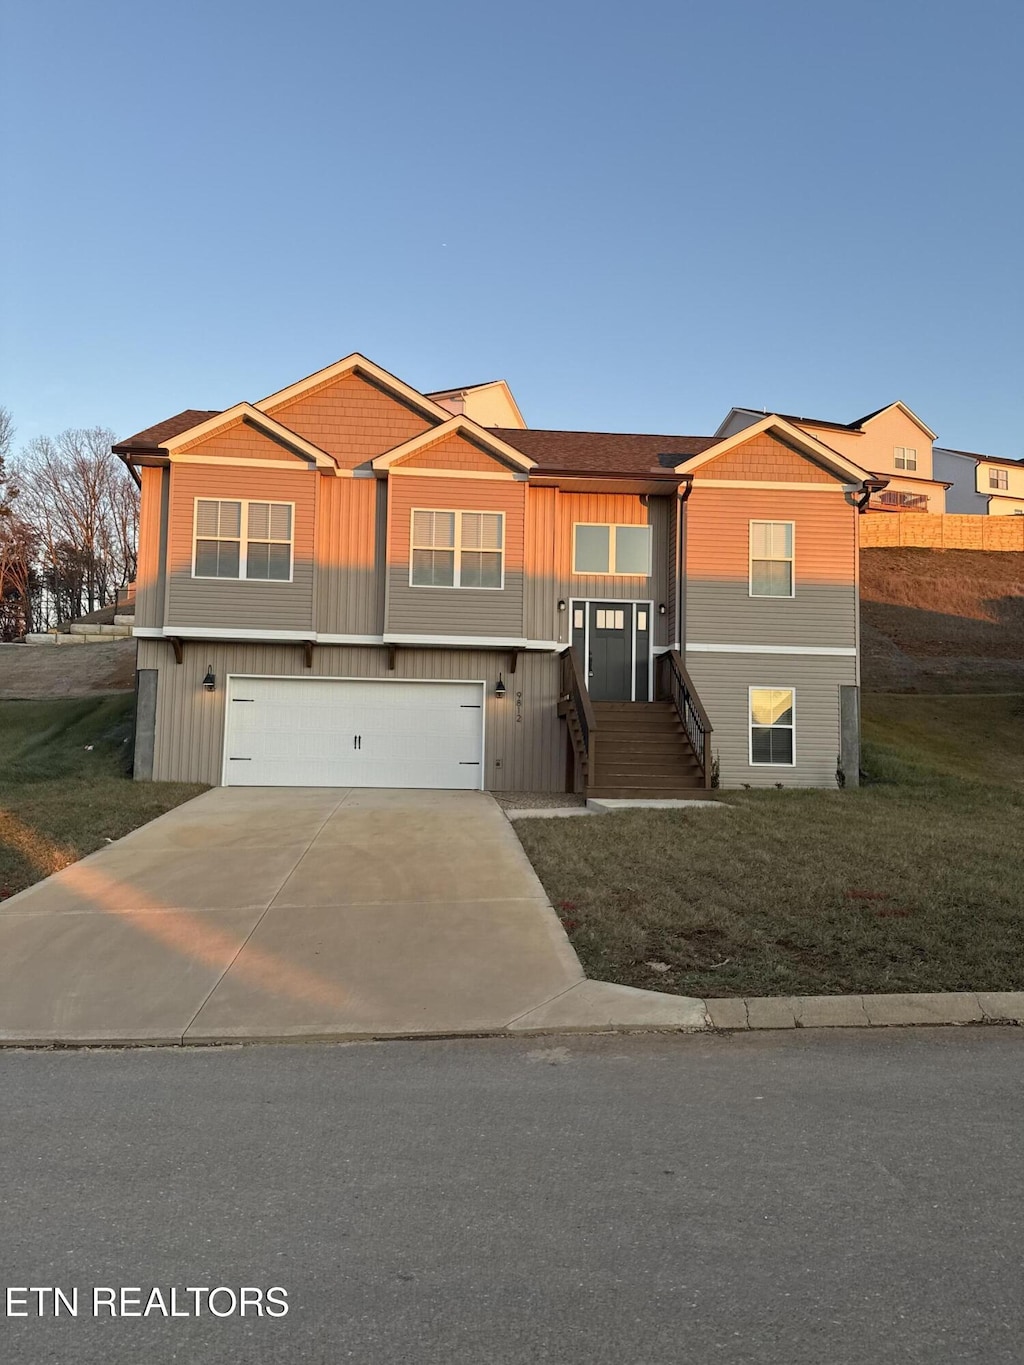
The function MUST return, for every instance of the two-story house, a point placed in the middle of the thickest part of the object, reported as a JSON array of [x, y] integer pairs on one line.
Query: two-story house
[[892, 443], [353, 583], [996, 483]]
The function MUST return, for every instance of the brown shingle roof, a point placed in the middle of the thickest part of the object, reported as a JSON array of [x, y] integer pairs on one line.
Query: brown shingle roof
[[603, 452], [153, 437]]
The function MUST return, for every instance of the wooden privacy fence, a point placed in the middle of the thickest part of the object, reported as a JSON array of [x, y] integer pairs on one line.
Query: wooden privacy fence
[[941, 531]]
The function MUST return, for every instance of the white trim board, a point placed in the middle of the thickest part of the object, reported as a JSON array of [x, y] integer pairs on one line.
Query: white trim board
[[805, 487], [228, 634], [844, 651]]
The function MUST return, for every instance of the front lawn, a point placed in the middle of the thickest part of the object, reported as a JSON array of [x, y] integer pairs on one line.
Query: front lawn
[[915, 882], [64, 788]]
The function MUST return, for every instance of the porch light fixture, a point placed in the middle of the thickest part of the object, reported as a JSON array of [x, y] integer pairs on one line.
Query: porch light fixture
[[661, 608], [561, 604], [209, 682], [500, 689]]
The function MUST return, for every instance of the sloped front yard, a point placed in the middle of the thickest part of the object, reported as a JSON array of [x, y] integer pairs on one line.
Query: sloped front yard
[[913, 883], [64, 784]]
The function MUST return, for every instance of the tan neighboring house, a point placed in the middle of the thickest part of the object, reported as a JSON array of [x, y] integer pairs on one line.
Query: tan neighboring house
[[354, 583], [998, 480], [892, 443]]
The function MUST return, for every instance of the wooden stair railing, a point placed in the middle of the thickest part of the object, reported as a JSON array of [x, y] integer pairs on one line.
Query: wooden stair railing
[[574, 704], [677, 686]]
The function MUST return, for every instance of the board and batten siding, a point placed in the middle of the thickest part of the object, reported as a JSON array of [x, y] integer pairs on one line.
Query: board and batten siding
[[719, 608], [248, 604], [524, 741], [150, 578], [454, 611], [351, 522], [722, 682]]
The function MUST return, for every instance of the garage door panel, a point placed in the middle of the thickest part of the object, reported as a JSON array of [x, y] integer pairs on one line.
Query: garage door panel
[[353, 733]]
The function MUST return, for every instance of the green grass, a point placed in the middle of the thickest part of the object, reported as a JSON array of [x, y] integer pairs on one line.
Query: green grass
[[914, 882], [65, 788]]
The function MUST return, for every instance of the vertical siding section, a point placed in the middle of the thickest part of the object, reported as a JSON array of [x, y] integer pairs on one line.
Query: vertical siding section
[[149, 578], [347, 558], [542, 571], [524, 738]]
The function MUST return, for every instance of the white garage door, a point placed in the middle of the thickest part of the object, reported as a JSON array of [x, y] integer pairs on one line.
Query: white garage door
[[326, 732]]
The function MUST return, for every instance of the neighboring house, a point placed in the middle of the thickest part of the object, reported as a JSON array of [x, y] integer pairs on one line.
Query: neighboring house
[[351, 584], [961, 471], [892, 443], [997, 482]]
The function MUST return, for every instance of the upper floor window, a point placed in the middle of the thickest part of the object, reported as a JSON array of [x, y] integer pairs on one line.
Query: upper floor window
[[457, 549], [771, 559], [239, 538], [600, 549], [771, 725], [998, 478], [904, 457]]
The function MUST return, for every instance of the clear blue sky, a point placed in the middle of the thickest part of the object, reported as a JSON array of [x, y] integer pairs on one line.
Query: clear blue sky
[[639, 215]]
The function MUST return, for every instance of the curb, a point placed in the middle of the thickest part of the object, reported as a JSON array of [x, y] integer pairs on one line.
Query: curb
[[865, 1011]]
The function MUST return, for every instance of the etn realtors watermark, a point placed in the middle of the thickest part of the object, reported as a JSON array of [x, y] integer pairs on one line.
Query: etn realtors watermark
[[134, 1301]]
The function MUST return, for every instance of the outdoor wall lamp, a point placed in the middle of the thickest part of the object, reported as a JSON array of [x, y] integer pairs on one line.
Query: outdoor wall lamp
[[209, 682], [661, 608], [561, 604], [500, 689]]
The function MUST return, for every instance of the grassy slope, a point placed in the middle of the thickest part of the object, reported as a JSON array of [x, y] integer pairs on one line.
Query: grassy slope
[[64, 789], [915, 882]]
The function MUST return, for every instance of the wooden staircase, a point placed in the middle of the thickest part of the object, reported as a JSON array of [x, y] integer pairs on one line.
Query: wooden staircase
[[644, 752]]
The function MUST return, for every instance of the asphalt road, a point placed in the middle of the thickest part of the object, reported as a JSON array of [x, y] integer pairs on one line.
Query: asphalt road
[[783, 1197]]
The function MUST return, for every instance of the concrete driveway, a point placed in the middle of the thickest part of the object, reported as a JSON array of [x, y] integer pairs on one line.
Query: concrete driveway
[[281, 913]]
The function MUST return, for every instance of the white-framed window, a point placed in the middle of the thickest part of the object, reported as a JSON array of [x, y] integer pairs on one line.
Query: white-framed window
[[771, 559], [243, 538], [604, 548], [772, 727], [452, 549], [999, 478], [904, 457]]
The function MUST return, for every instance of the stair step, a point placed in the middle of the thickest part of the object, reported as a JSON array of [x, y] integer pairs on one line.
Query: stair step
[[607, 771], [618, 777], [646, 793]]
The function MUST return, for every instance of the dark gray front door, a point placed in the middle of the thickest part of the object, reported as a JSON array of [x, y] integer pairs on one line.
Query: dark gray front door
[[610, 665]]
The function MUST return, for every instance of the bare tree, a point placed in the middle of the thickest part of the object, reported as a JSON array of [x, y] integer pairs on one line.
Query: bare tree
[[18, 578], [84, 511]]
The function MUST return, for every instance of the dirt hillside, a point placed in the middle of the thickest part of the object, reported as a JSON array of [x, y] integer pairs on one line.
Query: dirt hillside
[[942, 620], [39, 671]]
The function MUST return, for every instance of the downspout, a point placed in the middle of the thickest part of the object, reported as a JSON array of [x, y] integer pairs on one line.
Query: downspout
[[870, 486], [684, 493], [126, 460]]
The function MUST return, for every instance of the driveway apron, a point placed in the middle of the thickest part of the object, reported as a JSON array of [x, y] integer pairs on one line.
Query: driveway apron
[[262, 913]]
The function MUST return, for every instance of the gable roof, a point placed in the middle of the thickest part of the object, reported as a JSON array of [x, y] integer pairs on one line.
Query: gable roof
[[973, 455], [245, 412], [366, 369], [776, 425], [153, 438], [602, 452], [484, 437], [856, 426]]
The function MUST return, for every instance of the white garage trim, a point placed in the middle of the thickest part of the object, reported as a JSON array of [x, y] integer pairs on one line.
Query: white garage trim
[[299, 680]]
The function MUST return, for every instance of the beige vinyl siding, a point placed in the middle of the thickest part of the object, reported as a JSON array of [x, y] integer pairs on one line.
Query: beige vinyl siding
[[722, 682], [545, 580], [150, 578], [524, 738], [351, 419], [719, 608], [455, 611], [765, 458], [350, 547], [620, 509], [246, 604], [243, 442]]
